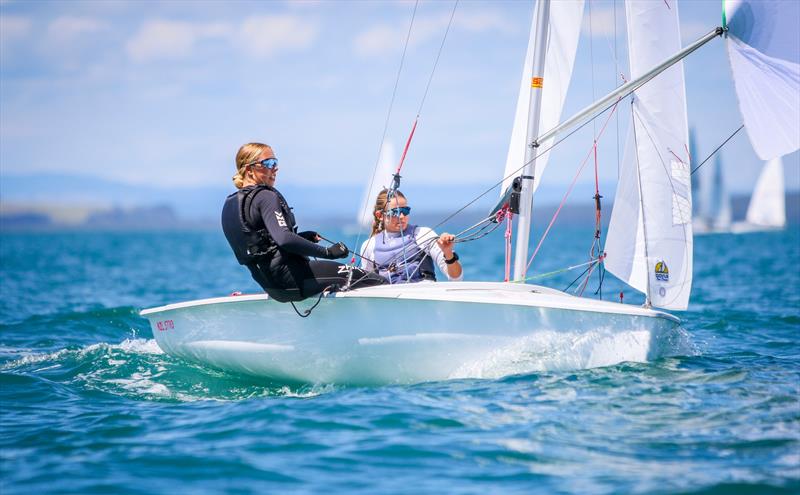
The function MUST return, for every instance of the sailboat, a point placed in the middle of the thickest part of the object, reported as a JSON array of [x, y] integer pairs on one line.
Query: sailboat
[[767, 208], [475, 329], [715, 215]]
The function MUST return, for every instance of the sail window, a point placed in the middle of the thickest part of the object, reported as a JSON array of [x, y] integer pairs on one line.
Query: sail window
[[681, 205]]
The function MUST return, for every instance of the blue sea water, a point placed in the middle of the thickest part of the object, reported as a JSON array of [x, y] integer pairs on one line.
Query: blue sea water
[[89, 403]]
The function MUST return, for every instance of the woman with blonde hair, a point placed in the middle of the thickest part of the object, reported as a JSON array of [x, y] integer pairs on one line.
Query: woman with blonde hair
[[401, 252], [260, 228]]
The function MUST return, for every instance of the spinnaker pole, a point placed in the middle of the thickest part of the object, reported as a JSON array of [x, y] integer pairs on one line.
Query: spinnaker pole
[[590, 112]]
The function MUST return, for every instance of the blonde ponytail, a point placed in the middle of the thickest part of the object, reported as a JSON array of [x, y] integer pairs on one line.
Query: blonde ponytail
[[246, 155], [380, 205]]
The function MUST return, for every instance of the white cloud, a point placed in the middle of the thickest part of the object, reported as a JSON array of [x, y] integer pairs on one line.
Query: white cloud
[[483, 21], [162, 39], [65, 29], [377, 40], [383, 39], [264, 36], [13, 27]]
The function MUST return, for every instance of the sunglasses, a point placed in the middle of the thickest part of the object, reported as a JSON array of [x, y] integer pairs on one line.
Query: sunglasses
[[269, 163], [396, 212]]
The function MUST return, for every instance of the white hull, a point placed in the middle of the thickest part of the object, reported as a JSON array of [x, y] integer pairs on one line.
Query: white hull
[[410, 333]]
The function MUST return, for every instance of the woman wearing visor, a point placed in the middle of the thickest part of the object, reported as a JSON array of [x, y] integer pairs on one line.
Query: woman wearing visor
[[260, 228], [401, 252]]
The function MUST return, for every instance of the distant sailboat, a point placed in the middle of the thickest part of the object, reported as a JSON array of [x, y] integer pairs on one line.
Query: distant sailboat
[[715, 214], [381, 179], [767, 209]]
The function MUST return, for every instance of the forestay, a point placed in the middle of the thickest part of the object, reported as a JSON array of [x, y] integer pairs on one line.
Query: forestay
[[649, 242], [764, 50], [564, 31]]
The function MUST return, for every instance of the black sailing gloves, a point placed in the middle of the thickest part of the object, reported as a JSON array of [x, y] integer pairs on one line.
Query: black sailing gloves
[[338, 250], [310, 235]]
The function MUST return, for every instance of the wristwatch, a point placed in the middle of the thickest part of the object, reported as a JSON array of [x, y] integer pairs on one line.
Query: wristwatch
[[453, 259]]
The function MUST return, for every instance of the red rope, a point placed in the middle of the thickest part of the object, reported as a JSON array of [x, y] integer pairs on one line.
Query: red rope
[[508, 245], [571, 186], [408, 143]]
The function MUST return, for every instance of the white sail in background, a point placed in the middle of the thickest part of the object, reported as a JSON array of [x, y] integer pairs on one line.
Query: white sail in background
[[768, 204], [764, 50], [721, 200], [649, 242], [382, 179], [564, 31]]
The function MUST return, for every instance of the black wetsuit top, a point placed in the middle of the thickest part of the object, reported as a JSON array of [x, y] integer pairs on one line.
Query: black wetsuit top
[[282, 267]]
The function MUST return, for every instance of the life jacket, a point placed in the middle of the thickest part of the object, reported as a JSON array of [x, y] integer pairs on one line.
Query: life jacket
[[250, 244], [398, 256]]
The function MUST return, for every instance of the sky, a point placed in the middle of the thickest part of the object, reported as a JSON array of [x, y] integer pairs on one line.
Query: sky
[[164, 93]]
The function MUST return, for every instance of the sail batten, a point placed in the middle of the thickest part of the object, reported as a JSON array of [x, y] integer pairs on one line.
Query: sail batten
[[649, 242]]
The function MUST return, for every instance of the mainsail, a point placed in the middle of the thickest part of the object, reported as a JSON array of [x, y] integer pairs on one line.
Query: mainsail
[[768, 205], [764, 50], [649, 242], [564, 31]]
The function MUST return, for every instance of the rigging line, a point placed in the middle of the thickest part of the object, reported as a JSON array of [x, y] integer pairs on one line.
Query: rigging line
[[425, 94], [306, 313], [718, 148], [647, 302], [542, 152], [591, 63], [616, 61], [560, 270], [436, 63], [577, 278], [354, 253], [388, 116], [569, 191]]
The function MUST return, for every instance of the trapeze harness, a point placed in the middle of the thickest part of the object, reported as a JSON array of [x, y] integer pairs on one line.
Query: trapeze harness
[[399, 259], [268, 244]]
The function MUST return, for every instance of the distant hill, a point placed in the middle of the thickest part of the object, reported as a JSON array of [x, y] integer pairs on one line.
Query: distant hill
[[86, 202], [203, 203]]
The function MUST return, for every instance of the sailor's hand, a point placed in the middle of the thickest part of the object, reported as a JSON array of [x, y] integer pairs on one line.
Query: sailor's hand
[[310, 235], [338, 250], [445, 243]]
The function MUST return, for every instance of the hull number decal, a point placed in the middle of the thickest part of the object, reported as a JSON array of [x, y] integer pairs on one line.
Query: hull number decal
[[165, 325]]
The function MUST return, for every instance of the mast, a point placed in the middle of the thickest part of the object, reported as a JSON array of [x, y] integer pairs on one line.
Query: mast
[[529, 171]]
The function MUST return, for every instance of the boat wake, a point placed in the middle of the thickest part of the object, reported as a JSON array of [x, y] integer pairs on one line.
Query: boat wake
[[547, 351], [138, 369]]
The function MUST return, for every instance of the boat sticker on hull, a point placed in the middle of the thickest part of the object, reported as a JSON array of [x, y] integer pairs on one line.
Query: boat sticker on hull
[[165, 325]]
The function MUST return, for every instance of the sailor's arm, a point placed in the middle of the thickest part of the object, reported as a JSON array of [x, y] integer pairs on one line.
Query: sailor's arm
[[446, 243], [271, 213], [430, 242]]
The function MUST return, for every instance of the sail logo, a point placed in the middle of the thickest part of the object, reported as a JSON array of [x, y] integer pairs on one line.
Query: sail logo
[[662, 272], [281, 220]]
